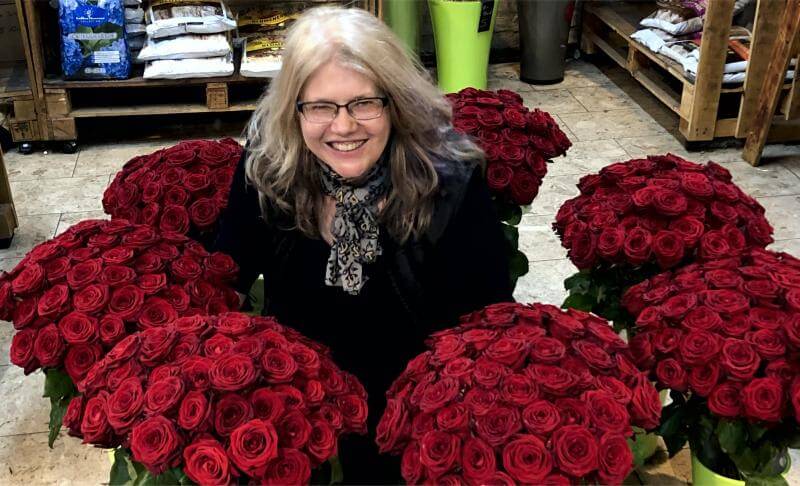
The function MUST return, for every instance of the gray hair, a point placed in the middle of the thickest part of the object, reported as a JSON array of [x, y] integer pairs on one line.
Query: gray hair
[[284, 170]]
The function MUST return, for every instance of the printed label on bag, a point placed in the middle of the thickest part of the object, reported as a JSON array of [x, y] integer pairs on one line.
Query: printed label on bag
[[487, 7], [105, 57]]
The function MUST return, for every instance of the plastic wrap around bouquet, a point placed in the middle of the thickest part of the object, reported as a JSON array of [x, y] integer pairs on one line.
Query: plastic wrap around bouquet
[[75, 296], [518, 143], [519, 394], [180, 189], [218, 399], [724, 336], [636, 218]]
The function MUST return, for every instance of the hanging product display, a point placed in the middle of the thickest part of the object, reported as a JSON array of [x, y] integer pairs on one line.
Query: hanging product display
[[93, 40], [262, 30]]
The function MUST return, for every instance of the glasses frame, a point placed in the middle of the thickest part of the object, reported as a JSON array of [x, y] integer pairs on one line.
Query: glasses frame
[[348, 106]]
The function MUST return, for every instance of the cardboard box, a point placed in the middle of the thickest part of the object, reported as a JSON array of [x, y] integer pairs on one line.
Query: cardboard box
[[10, 37], [8, 216]]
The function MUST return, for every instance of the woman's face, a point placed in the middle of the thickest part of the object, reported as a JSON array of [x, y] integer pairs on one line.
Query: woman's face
[[348, 146]]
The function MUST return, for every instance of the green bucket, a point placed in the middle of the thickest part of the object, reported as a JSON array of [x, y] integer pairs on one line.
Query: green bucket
[[462, 53], [402, 16], [703, 476]]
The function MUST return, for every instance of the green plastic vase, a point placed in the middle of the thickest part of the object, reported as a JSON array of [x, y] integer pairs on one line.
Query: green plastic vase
[[462, 53], [403, 16], [703, 476]]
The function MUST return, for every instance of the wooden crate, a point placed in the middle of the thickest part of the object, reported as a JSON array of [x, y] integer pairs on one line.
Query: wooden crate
[[8, 215], [707, 108]]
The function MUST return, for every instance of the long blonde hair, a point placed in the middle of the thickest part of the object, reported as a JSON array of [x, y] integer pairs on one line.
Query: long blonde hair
[[284, 170]]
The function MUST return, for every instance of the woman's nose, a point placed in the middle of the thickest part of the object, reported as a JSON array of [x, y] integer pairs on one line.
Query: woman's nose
[[343, 122]]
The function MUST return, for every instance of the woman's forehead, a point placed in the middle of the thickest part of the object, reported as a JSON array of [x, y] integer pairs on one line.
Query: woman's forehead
[[335, 82]]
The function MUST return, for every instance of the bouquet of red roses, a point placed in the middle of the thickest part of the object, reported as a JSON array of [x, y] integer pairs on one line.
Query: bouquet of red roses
[[724, 335], [519, 393], [218, 398], [180, 189], [517, 143], [637, 218], [74, 297]]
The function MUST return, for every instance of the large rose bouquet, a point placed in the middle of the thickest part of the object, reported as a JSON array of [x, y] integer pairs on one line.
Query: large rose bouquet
[[525, 394], [637, 218], [724, 335], [518, 143], [74, 297], [180, 189], [215, 399]]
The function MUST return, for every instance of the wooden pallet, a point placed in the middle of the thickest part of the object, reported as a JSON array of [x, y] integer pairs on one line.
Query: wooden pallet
[[707, 108], [69, 101]]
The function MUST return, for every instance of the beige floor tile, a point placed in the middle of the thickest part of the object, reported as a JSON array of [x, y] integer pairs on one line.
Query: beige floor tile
[[7, 264], [32, 230], [587, 158], [577, 74], [774, 154], [513, 84], [556, 101], [6, 335], [537, 239], [59, 195], [638, 147], [766, 180], [791, 247], [504, 71], [564, 128], [553, 192], [611, 124], [39, 165], [603, 98], [27, 460], [24, 409], [783, 212], [544, 283], [69, 219], [109, 159]]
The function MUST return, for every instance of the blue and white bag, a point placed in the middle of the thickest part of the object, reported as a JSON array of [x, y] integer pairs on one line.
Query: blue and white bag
[[93, 39]]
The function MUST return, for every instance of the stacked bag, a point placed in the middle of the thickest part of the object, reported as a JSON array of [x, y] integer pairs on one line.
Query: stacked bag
[[134, 28], [187, 39], [262, 30], [93, 44]]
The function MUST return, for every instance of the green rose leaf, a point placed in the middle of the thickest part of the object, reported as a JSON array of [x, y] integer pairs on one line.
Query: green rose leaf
[[120, 475], [58, 407], [512, 235], [583, 302], [337, 474], [766, 481], [732, 435], [58, 384], [518, 264], [579, 282]]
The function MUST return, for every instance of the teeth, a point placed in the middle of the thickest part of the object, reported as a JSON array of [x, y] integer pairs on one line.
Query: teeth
[[346, 146]]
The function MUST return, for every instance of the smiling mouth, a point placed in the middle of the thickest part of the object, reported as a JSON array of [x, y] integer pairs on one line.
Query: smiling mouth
[[346, 146]]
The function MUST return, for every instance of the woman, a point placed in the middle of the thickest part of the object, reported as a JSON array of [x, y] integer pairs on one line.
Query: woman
[[366, 213]]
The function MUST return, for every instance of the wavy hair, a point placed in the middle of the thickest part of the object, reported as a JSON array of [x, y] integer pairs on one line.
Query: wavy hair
[[284, 170]]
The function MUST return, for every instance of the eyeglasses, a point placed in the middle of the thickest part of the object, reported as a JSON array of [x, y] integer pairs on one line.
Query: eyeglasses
[[325, 111]]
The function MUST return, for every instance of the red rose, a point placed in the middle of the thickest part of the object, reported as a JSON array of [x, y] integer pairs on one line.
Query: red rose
[[126, 302], [174, 219], [321, 441], [279, 366], [392, 424], [155, 443], [702, 318], [410, 466], [725, 400], [739, 359], [606, 413], [541, 417], [49, 346], [478, 460], [126, 194], [118, 256], [480, 401], [498, 424], [645, 407], [197, 182], [233, 372], [610, 242], [220, 267], [439, 451], [84, 273], [699, 347], [696, 184], [294, 430], [507, 351], [638, 245], [80, 358], [252, 446], [231, 411], [702, 379], [291, 467], [527, 460], [672, 374], [490, 118], [204, 213], [176, 196], [206, 463], [117, 275], [515, 117], [689, 228], [194, 411], [94, 425], [593, 355], [354, 411], [615, 459], [582, 249], [111, 329], [156, 312], [524, 188], [499, 176], [124, 405], [668, 248], [78, 328], [72, 417], [439, 394], [726, 301], [178, 156], [162, 396], [553, 379], [91, 298], [575, 450], [22, 347], [763, 399]]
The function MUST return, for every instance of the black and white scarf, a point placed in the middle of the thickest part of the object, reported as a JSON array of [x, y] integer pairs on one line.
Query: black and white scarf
[[355, 224]]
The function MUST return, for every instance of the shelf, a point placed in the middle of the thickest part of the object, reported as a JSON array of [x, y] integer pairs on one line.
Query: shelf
[[139, 82], [157, 109]]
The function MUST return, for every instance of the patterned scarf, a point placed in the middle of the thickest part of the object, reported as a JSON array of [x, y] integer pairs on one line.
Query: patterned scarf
[[355, 225]]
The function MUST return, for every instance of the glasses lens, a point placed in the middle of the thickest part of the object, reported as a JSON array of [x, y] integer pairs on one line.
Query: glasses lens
[[319, 112], [366, 109]]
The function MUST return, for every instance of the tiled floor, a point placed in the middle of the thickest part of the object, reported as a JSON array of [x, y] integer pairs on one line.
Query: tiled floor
[[55, 190]]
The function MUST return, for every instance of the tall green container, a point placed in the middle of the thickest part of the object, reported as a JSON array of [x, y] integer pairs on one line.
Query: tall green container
[[462, 53], [403, 17]]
